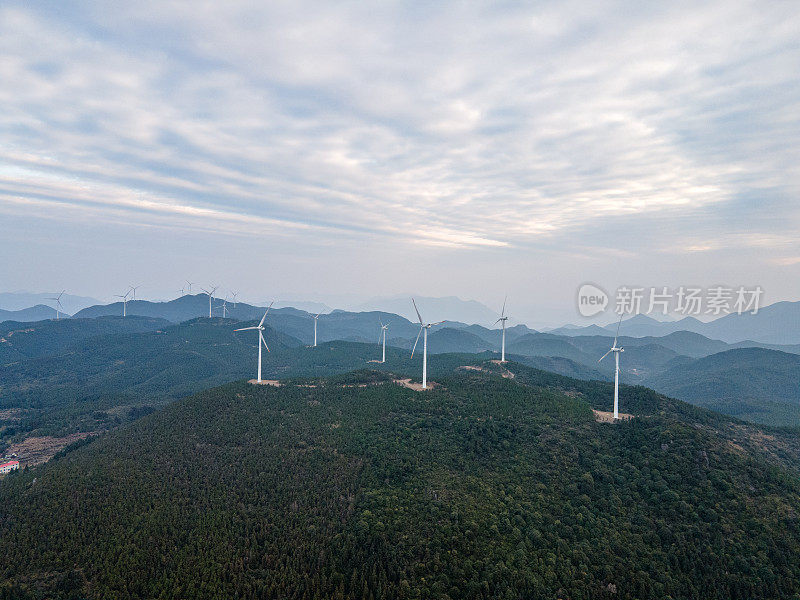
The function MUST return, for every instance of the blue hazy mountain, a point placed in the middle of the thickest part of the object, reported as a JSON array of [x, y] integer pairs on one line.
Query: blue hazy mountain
[[40, 312], [777, 323], [432, 309], [756, 384], [22, 300]]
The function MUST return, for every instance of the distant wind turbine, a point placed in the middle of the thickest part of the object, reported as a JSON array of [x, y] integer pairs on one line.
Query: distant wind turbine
[[234, 294], [57, 300], [124, 303], [423, 331], [315, 328], [210, 298], [616, 350], [224, 308], [503, 318], [133, 289], [383, 335], [190, 283], [261, 340]]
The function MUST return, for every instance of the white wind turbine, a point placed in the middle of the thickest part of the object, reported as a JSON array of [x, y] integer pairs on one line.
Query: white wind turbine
[[210, 297], [383, 335], [133, 289], [190, 283], [234, 294], [124, 303], [616, 350], [225, 308], [423, 331], [261, 340], [315, 328], [503, 318], [57, 300]]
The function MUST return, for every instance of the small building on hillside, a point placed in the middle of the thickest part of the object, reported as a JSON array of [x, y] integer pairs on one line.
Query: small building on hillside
[[9, 466]]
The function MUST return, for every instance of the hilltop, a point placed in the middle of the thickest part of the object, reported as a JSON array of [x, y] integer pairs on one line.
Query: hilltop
[[353, 487]]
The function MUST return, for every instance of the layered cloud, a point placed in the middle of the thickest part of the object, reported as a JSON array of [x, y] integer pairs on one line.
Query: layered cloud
[[463, 125]]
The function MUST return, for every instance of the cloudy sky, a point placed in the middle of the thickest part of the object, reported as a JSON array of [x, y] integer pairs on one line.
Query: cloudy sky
[[350, 150]]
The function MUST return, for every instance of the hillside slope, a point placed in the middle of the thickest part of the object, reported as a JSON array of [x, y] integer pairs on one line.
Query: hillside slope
[[753, 383], [355, 487]]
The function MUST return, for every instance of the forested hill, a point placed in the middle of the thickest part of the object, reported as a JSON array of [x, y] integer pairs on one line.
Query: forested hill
[[356, 487]]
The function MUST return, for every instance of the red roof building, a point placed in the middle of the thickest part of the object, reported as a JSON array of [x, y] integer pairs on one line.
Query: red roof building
[[9, 466]]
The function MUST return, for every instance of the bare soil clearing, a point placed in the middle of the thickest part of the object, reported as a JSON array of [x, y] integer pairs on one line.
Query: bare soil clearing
[[272, 382], [602, 416], [417, 387], [37, 450]]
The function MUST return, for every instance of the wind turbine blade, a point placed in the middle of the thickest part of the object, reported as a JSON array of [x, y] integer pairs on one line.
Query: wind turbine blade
[[437, 323], [503, 314], [498, 320], [261, 336], [416, 309], [415, 342], [604, 355], [318, 314], [618, 324], [265, 313], [245, 328]]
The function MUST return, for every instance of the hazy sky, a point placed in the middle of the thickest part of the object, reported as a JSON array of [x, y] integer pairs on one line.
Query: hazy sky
[[321, 149]]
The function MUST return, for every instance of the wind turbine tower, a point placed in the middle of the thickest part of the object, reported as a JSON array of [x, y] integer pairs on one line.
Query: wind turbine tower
[[503, 318], [616, 350], [124, 303], [57, 300], [315, 328], [383, 334], [210, 298], [261, 340], [423, 331]]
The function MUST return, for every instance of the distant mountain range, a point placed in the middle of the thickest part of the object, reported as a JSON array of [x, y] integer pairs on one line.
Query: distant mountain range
[[21, 300], [40, 312], [434, 309], [756, 384], [777, 323]]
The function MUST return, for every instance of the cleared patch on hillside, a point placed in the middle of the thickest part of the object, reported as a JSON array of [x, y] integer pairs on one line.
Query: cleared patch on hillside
[[272, 382], [603, 416], [37, 450]]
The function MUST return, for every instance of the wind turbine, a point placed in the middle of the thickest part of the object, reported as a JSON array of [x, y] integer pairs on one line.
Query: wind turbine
[[224, 308], [616, 350], [234, 294], [57, 300], [191, 283], [383, 335], [210, 296], [503, 318], [133, 289], [124, 303], [423, 327], [261, 339], [315, 328]]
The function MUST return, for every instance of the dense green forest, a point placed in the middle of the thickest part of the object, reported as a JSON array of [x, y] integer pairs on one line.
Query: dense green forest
[[354, 487]]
